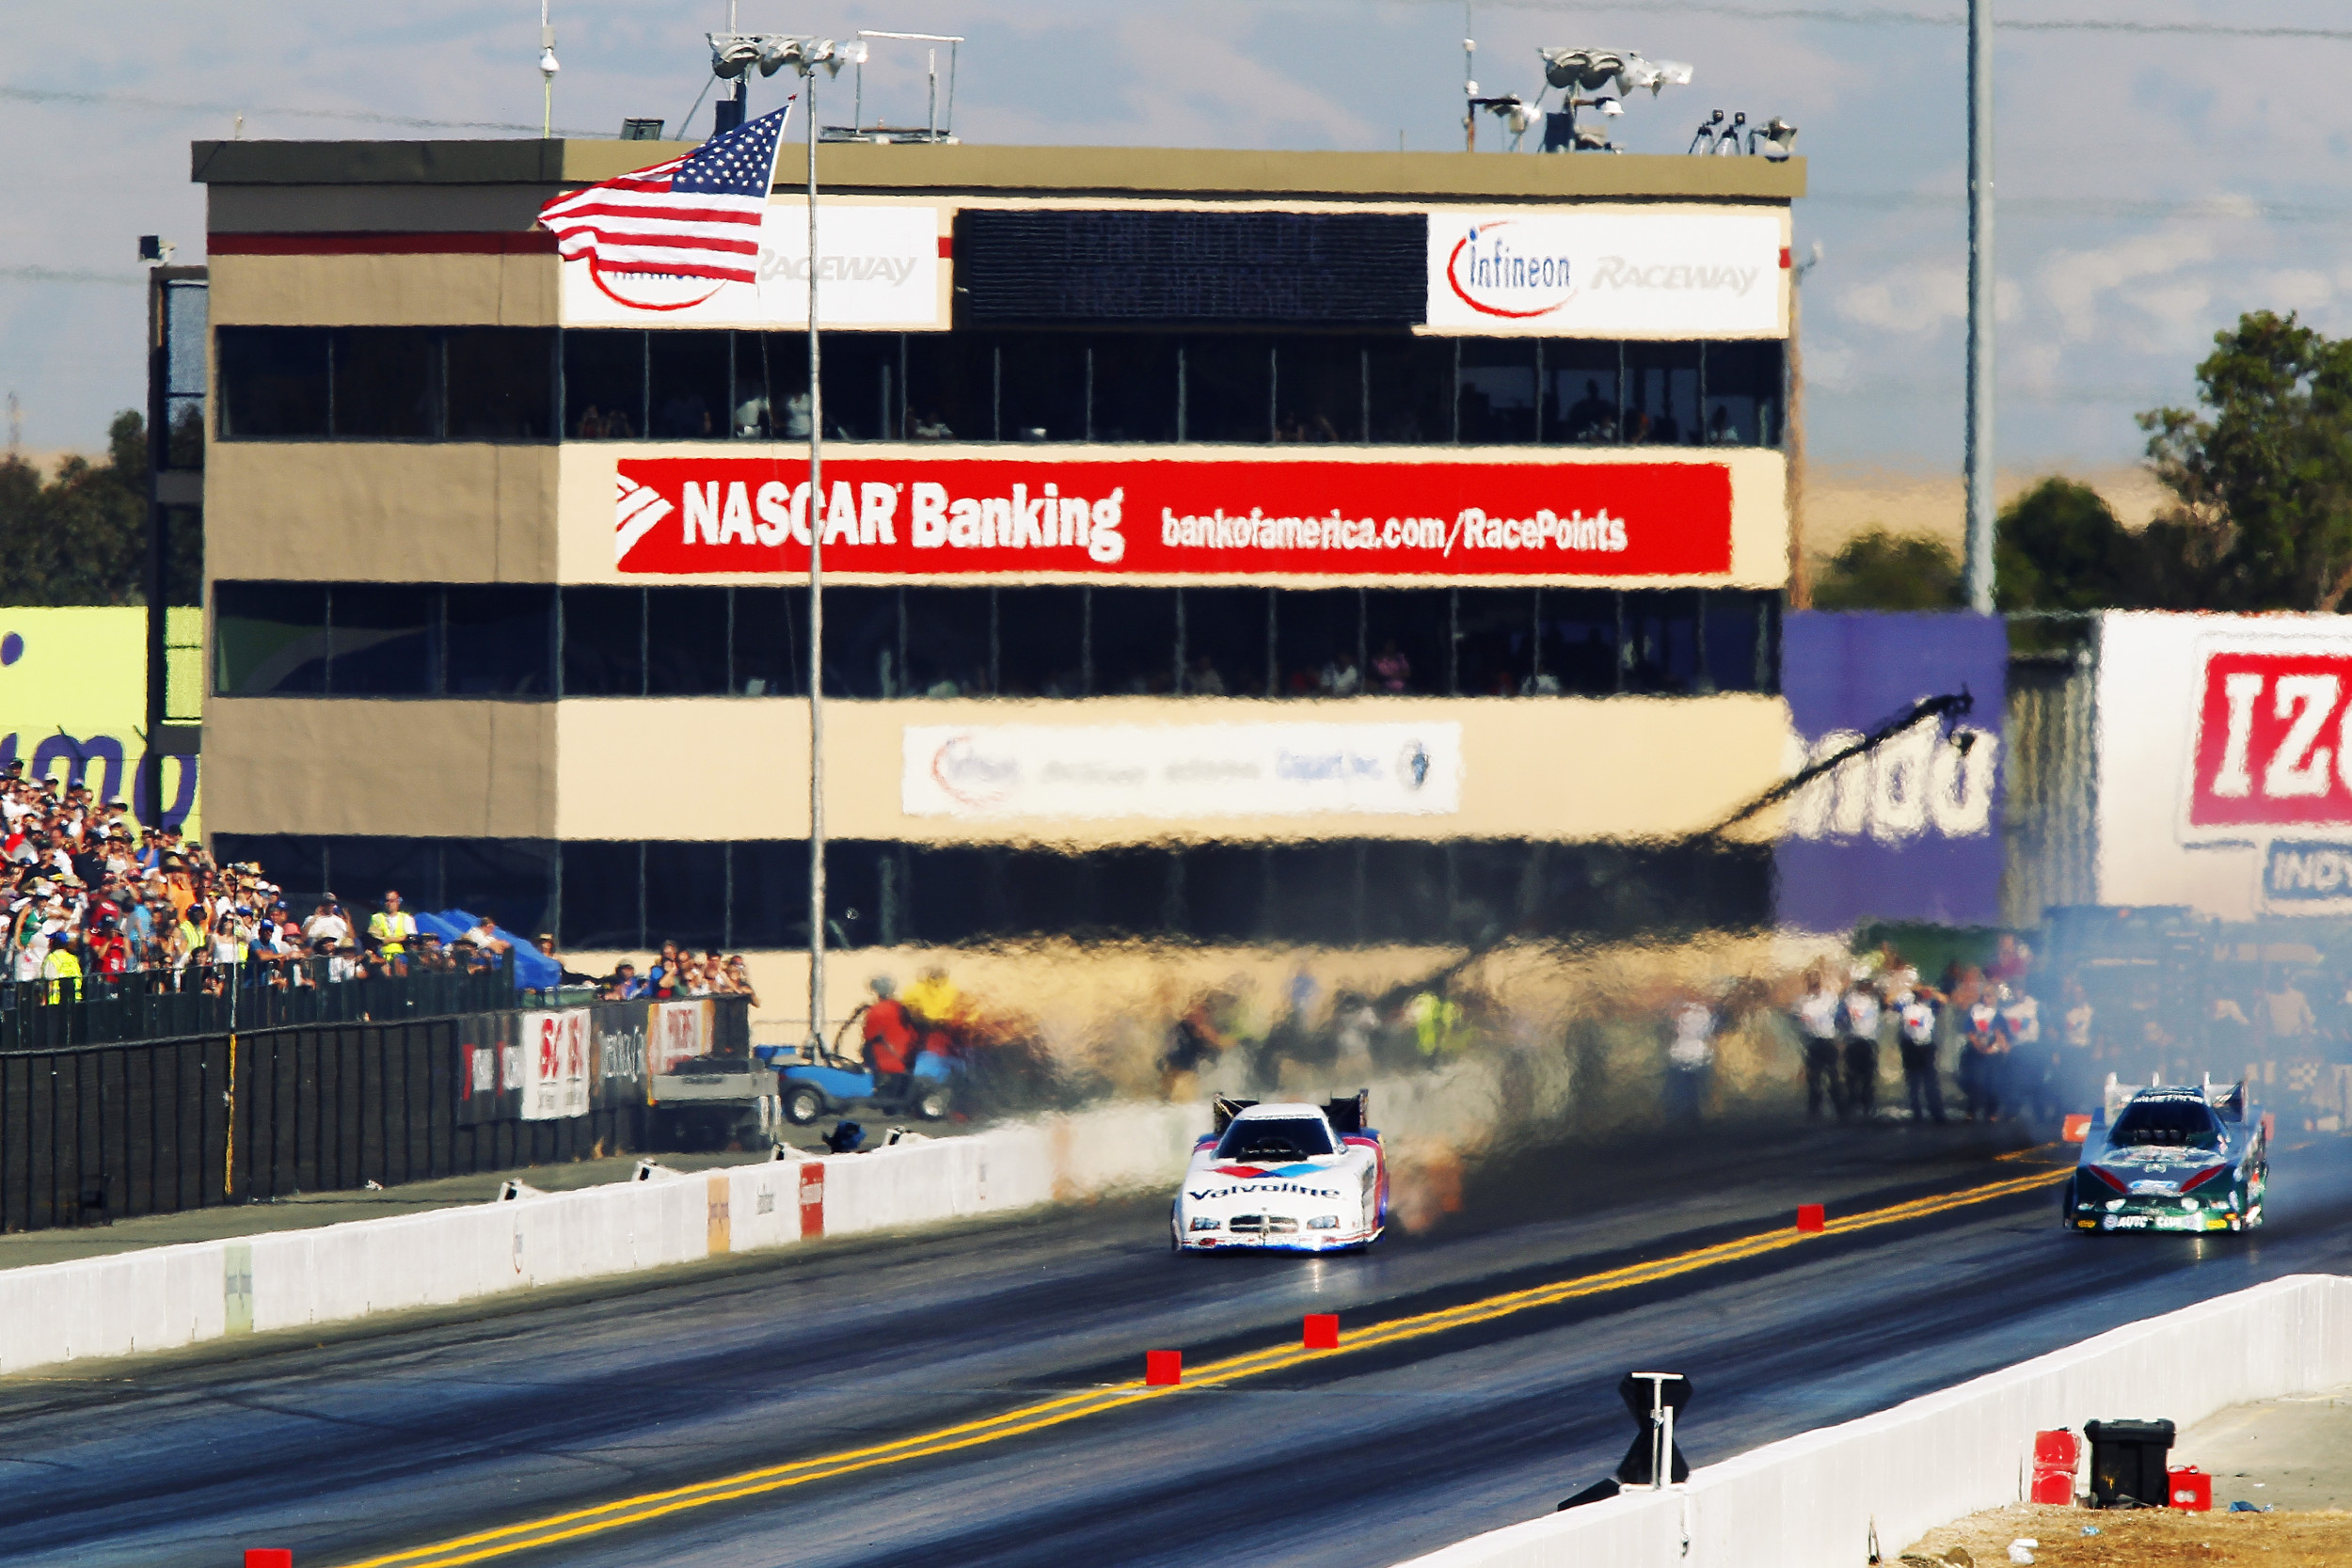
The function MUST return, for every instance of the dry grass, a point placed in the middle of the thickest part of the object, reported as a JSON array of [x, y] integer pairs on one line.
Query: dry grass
[[2156, 1537]]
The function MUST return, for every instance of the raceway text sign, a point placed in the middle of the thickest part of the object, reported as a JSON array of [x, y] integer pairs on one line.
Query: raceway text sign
[[1660, 273], [877, 266], [683, 517]]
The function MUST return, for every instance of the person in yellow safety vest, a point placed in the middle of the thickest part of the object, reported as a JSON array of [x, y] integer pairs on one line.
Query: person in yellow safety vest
[[1437, 1023], [392, 928], [938, 1009], [62, 967]]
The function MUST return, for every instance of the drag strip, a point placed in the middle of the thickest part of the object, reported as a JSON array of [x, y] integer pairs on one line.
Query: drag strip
[[975, 1398]]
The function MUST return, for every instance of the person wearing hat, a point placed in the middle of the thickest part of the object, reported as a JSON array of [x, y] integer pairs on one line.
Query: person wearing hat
[[62, 967]]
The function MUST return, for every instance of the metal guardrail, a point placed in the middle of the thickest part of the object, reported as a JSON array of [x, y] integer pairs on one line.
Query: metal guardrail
[[203, 999]]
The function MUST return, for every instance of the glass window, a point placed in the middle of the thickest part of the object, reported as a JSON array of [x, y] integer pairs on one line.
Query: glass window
[[1276, 1139], [770, 398], [1229, 641], [604, 385], [686, 893], [1134, 387], [500, 641], [1661, 633], [1410, 876], [949, 895], [387, 383], [383, 641], [765, 659], [1040, 638], [1411, 383], [1407, 631], [1494, 632], [273, 380], [1743, 393], [508, 880], [364, 869], [1318, 897], [1319, 390], [1229, 388], [270, 639], [1041, 391], [501, 383], [770, 902], [1661, 394], [952, 387], [686, 642], [865, 652], [602, 898], [854, 905], [1575, 646], [1495, 381], [1131, 890], [863, 383], [690, 377], [604, 647], [1225, 892], [186, 308], [949, 642], [1044, 893], [1131, 639], [1319, 636], [1581, 391], [1742, 652]]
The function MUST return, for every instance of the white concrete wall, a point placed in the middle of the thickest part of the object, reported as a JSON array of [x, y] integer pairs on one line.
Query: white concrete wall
[[1813, 1500]]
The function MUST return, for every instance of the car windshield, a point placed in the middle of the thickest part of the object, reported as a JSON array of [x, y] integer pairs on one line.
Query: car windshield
[[2167, 1124], [1275, 1138]]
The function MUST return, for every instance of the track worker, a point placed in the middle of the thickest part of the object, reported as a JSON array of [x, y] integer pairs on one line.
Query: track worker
[[1816, 1016], [1858, 1016], [1982, 1060], [889, 1038], [1690, 1059], [1915, 1021], [391, 928]]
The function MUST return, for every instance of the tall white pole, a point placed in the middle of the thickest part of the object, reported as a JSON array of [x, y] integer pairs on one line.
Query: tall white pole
[[815, 616], [1978, 573]]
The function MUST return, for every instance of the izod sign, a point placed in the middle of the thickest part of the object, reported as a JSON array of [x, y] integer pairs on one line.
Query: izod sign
[[1032, 516], [2273, 753], [1607, 272]]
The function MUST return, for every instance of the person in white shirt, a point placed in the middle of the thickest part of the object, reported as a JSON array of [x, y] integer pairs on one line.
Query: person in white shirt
[[1690, 1059], [329, 925], [1815, 1015], [1916, 1020], [1858, 1020]]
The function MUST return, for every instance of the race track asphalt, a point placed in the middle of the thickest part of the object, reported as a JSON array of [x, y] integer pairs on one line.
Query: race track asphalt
[[415, 1430]]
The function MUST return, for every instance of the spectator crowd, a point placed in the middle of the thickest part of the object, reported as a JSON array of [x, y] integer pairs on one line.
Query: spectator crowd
[[90, 897]]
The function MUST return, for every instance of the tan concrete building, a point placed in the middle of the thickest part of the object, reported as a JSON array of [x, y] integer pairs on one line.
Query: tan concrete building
[[1225, 548]]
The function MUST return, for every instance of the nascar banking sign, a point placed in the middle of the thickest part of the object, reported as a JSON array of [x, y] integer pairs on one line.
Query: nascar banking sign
[[1607, 273], [911, 516]]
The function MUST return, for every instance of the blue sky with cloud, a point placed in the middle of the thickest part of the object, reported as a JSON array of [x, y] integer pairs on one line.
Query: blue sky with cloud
[[2153, 183]]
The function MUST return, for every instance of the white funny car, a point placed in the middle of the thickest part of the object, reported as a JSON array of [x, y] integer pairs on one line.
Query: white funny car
[[1294, 1177]]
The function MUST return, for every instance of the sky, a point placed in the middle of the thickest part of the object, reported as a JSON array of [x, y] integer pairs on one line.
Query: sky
[[2158, 173]]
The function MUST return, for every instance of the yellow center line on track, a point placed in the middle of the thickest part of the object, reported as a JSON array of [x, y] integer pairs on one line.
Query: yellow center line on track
[[558, 1527]]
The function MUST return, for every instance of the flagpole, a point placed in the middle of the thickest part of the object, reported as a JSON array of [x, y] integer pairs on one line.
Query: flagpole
[[816, 617]]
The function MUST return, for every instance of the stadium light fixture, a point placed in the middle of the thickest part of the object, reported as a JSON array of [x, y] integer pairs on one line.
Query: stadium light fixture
[[1600, 80]]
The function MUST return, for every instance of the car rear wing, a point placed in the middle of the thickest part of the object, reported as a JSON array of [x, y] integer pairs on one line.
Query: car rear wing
[[2227, 1099], [1350, 1116], [1224, 1108]]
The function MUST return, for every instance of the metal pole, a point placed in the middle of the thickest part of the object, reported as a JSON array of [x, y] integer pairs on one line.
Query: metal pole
[[815, 616], [1979, 575]]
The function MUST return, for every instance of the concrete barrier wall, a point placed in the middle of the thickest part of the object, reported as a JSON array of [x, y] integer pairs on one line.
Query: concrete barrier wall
[[173, 1296], [1818, 1498]]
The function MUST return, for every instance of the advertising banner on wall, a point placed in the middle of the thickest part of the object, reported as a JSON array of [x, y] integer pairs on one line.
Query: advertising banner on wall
[[1027, 514], [73, 708], [675, 1032], [1911, 831], [2225, 762], [1619, 273], [617, 1070], [1178, 772], [489, 1070], [555, 1064], [878, 267]]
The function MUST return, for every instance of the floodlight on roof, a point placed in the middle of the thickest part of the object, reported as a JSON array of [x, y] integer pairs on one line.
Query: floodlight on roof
[[546, 61], [732, 54], [1780, 139]]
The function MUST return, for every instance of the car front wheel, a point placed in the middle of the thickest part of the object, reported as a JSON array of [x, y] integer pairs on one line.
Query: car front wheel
[[803, 1104]]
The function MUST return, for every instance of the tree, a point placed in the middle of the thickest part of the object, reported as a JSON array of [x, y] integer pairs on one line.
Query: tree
[[1879, 570], [2060, 546], [2261, 472], [79, 537]]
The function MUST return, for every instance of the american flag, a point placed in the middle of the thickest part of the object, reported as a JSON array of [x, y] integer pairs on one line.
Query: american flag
[[695, 216]]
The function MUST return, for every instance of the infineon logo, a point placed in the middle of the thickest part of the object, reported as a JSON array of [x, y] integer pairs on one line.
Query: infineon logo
[[1496, 272]]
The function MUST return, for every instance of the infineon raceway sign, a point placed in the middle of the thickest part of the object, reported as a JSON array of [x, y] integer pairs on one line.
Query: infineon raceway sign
[[1156, 517], [1674, 274], [1180, 771]]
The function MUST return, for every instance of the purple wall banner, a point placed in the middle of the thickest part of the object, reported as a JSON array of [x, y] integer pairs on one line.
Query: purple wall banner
[[1912, 829]]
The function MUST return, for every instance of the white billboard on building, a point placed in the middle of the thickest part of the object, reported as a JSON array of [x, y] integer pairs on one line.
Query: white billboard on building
[[877, 267], [2225, 762], [1607, 273]]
